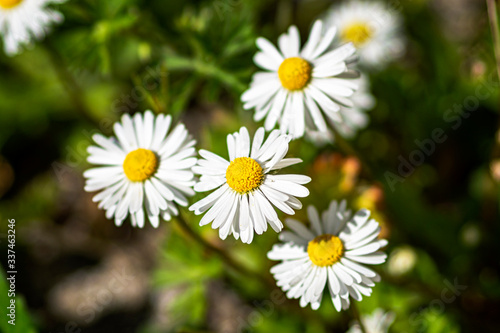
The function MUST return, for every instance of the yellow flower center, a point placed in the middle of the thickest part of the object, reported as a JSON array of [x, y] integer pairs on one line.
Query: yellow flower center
[[244, 174], [294, 73], [140, 164], [357, 33], [7, 4], [325, 250]]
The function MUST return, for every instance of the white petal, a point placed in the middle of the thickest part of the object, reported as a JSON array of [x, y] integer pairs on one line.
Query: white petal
[[314, 38], [269, 49], [312, 213]]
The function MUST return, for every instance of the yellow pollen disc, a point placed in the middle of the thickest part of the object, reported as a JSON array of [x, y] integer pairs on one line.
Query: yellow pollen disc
[[7, 4], [325, 250], [294, 73], [357, 33], [140, 165], [244, 174]]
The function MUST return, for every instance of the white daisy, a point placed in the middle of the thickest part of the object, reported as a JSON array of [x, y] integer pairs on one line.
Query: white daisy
[[247, 186], [378, 322], [353, 119], [374, 29], [21, 20], [143, 171], [299, 86], [331, 252]]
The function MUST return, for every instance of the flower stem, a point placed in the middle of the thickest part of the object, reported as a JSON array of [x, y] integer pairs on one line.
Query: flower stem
[[357, 316], [228, 260], [152, 100], [493, 18], [68, 82], [178, 63]]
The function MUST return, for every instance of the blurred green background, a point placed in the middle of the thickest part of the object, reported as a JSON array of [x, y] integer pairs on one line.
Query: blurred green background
[[77, 272]]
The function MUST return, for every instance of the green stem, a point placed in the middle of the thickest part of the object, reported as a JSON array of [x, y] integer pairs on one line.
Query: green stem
[[177, 63], [493, 18], [289, 306], [68, 82], [165, 88], [228, 260], [357, 316], [153, 102]]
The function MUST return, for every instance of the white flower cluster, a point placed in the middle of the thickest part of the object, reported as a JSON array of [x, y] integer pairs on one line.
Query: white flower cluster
[[150, 167]]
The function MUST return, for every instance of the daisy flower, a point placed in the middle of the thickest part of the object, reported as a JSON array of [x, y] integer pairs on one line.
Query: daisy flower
[[20, 20], [330, 253], [247, 186], [353, 119], [143, 171], [374, 29], [378, 322], [300, 86]]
